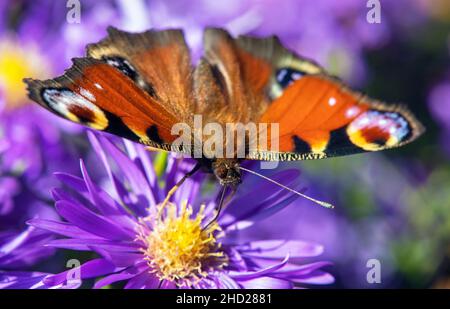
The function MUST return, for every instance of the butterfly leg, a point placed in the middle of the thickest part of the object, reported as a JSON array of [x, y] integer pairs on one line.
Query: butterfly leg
[[222, 202], [150, 148], [177, 185]]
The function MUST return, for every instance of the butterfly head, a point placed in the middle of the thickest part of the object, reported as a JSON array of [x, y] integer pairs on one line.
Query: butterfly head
[[227, 171]]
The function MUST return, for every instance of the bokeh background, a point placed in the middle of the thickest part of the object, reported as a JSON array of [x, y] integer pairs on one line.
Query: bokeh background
[[392, 206]]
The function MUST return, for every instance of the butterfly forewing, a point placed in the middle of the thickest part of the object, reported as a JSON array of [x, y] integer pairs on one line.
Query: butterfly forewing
[[97, 95], [157, 61]]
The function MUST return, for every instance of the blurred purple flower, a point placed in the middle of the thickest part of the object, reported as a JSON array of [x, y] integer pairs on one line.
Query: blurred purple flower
[[21, 250], [439, 105], [28, 280], [33, 142], [174, 247], [31, 139]]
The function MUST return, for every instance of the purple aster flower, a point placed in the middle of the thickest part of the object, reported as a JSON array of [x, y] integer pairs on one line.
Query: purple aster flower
[[30, 141], [33, 142], [439, 105], [178, 245]]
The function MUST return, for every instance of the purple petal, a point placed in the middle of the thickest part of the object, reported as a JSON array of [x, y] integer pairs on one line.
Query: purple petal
[[61, 228], [254, 274], [21, 280], [138, 205], [61, 194], [191, 186], [275, 200], [144, 280], [235, 258], [153, 282], [226, 282], [72, 181], [171, 172], [89, 244], [135, 177], [91, 222], [317, 277], [101, 201], [121, 258], [167, 285], [25, 248], [253, 197], [301, 270], [17, 241], [100, 153], [141, 155], [266, 283], [126, 274], [257, 214], [112, 279], [90, 269], [278, 249]]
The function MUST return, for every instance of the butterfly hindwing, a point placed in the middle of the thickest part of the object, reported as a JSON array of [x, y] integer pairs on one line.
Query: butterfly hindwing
[[320, 117], [317, 115]]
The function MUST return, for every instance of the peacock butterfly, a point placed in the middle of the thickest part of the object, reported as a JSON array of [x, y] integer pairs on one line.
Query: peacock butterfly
[[140, 85]]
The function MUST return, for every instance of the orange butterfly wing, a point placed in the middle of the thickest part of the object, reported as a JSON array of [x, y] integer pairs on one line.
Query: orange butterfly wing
[[241, 72], [316, 114], [99, 96], [159, 62], [320, 117], [134, 85]]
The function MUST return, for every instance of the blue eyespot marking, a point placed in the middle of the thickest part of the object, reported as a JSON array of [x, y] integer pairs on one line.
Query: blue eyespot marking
[[287, 76]]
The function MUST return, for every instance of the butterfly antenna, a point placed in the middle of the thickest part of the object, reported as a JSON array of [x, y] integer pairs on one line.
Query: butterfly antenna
[[321, 203]]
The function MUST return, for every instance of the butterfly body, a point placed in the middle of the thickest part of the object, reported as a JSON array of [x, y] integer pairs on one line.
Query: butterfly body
[[227, 171], [140, 86]]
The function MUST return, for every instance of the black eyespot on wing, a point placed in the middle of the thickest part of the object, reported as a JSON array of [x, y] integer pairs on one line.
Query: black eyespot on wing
[[117, 127], [340, 144], [124, 66], [84, 115], [339, 139], [379, 141], [300, 145], [287, 76], [152, 133]]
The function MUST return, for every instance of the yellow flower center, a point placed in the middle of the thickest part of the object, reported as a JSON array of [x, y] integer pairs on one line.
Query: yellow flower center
[[16, 63], [178, 248]]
